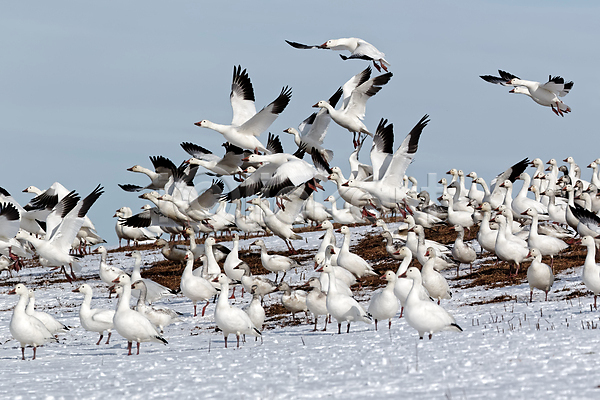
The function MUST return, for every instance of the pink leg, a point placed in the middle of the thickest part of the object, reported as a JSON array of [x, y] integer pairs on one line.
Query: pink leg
[[108, 339], [204, 308], [195, 314], [232, 294], [34, 349], [22, 353], [129, 348], [138, 348], [101, 336]]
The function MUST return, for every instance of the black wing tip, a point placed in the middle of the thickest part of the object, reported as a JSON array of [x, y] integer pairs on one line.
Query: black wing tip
[[4, 192], [333, 100], [9, 211], [242, 80], [130, 188], [274, 144], [192, 148], [454, 324]]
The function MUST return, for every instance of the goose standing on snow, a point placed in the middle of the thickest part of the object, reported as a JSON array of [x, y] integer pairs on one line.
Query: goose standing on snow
[[255, 310], [263, 285], [247, 124], [274, 262], [350, 261], [154, 291], [343, 307], [384, 303], [27, 330], [423, 315], [108, 273], [293, 300], [130, 324], [433, 281], [356, 93], [462, 252], [159, 316], [359, 49], [591, 271], [546, 94], [231, 319], [316, 301], [539, 275], [545, 245], [94, 319], [53, 325], [195, 288]]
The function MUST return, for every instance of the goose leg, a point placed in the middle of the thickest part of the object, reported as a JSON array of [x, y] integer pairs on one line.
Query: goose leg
[[348, 327], [232, 294], [22, 353], [339, 328], [203, 308], [138, 348], [195, 310], [375, 325], [101, 336], [238, 340], [377, 67], [401, 312], [129, 348], [225, 341], [383, 66], [390, 320], [531, 296], [34, 349], [108, 339]]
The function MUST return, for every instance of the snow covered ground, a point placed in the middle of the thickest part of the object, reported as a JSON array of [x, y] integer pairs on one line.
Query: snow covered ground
[[513, 349]]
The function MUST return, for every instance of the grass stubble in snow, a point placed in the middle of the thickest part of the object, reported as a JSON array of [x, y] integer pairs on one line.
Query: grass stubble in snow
[[510, 348]]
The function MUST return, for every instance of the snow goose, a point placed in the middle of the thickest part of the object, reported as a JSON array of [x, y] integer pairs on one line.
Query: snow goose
[[315, 211], [474, 193], [359, 49], [154, 291], [595, 173], [171, 251], [26, 329], [327, 239], [274, 262], [245, 223], [255, 310], [539, 275], [129, 233], [316, 301], [352, 195], [279, 227], [312, 130], [455, 217], [159, 177], [591, 271], [94, 319], [404, 285], [546, 94], [423, 315], [350, 261], [230, 164], [356, 93], [506, 249], [434, 282], [345, 278], [263, 285], [108, 273], [53, 325], [130, 324], [28, 219], [462, 252], [384, 303], [198, 208], [195, 288], [159, 316], [423, 245], [521, 202], [63, 224], [343, 307], [247, 124], [485, 235], [391, 247], [390, 190], [9, 227], [231, 319], [341, 216], [588, 222], [293, 300], [546, 245], [233, 260], [426, 205]]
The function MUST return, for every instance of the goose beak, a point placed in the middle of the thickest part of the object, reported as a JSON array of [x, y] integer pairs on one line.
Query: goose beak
[[198, 123], [345, 184], [13, 291], [316, 105], [116, 280]]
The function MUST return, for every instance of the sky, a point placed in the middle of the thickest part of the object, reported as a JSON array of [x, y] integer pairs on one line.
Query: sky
[[91, 89]]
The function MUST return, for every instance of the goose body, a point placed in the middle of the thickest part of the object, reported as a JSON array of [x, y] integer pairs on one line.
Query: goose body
[[94, 319], [539, 275], [384, 303], [52, 324], [195, 288]]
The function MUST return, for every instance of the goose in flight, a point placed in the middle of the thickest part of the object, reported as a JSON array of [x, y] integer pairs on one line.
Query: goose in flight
[[247, 124], [358, 48], [546, 94]]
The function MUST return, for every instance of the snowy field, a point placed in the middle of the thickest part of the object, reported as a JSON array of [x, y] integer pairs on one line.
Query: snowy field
[[512, 349]]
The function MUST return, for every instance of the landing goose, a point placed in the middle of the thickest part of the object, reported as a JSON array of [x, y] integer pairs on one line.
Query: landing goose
[[356, 93], [390, 190], [162, 171], [316, 301], [359, 49], [27, 330], [384, 303], [591, 271], [278, 223], [94, 319], [51, 323], [229, 164], [546, 94], [198, 208], [539, 275], [195, 288], [343, 307], [130, 324], [231, 319], [159, 316], [154, 291], [247, 124], [352, 195], [423, 315]]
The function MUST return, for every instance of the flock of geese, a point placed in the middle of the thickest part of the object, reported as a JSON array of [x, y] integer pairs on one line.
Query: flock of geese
[[512, 227]]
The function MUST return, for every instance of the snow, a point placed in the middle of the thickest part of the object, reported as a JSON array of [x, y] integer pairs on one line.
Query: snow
[[511, 349]]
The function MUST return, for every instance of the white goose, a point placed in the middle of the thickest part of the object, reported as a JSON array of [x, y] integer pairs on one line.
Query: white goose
[[433, 281], [245, 223], [293, 300], [315, 211], [231, 319], [94, 319], [274, 262], [423, 315], [154, 291], [462, 218], [316, 301], [53, 325], [356, 93], [255, 310], [591, 271], [546, 94], [506, 249], [247, 124], [342, 216], [27, 330], [129, 233], [359, 49], [345, 278], [486, 236], [403, 284], [130, 324], [539, 275], [462, 252], [263, 285], [546, 245], [159, 316], [108, 273], [232, 261], [343, 307], [384, 303], [195, 288], [229, 164], [163, 168], [350, 261]]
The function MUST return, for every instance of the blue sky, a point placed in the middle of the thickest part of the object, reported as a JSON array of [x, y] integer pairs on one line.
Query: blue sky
[[90, 89]]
